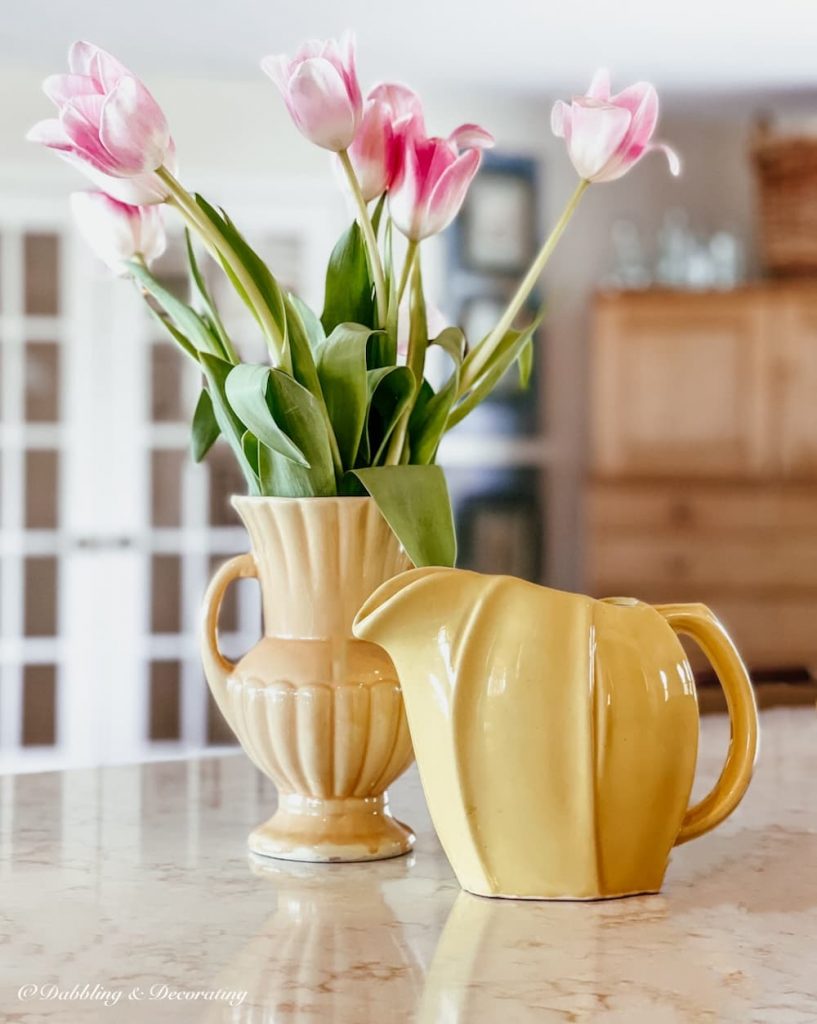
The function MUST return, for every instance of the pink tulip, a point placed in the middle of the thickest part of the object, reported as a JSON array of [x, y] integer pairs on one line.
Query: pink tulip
[[320, 88], [108, 123], [433, 178], [388, 110], [118, 232], [607, 135]]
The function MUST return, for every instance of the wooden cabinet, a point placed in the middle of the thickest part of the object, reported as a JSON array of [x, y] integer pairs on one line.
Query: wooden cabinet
[[703, 482]]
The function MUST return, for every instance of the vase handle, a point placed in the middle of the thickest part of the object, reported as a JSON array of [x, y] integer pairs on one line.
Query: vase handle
[[217, 668], [698, 622]]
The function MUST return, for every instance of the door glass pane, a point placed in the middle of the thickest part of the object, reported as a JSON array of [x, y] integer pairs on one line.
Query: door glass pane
[[166, 469], [218, 732], [166, 405], [165, 605], [40, 606], [41, 262], [42, 370], [39, 706], [42, 487], [226, 479], [165, 700], [228, 615]]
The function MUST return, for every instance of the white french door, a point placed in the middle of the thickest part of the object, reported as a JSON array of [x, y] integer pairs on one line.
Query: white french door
[[109, 531]]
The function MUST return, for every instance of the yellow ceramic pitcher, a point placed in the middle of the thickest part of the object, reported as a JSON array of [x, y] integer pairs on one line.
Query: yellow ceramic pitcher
[[557, 735]]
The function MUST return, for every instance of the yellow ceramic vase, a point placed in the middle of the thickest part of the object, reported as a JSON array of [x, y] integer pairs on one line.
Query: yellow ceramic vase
[[557, 736], [316, 710]]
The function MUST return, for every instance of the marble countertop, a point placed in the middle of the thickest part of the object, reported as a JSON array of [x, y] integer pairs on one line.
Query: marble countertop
[[126, 896]]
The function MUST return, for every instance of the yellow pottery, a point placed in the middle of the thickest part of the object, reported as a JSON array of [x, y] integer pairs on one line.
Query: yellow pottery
[[316, 710], [556, 735]]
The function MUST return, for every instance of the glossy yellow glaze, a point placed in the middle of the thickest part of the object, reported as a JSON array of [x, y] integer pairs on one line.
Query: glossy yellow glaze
[[316, 710], [556, 736]]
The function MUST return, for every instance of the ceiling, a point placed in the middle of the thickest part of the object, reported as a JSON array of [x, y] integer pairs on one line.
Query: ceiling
[[528, 46]]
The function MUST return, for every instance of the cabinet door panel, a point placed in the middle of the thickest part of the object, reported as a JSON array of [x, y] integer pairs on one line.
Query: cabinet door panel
[[795, 385], [679, 386]]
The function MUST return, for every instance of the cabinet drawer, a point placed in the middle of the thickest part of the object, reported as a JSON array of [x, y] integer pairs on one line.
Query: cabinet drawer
[[677, 508], [627, 563]]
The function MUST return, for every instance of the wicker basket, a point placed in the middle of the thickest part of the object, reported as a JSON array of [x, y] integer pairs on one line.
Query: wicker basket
[[786, 167]]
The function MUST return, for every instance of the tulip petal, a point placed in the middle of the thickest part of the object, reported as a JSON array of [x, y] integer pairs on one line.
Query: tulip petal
[[139, 190], [81, 58], [673, 159], [560, 119], [133, 128], [348, 69], [370, 152], [64, 88], [597, 131], [117, 231], [471, 136], [50, 133], [600, 85], [277, 68], [641, 100], [402, 101], [319, 104], [80, 119], [450, 190], [108, 71]]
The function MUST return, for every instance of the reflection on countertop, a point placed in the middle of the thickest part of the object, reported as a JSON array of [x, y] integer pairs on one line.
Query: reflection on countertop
[[136, 880]]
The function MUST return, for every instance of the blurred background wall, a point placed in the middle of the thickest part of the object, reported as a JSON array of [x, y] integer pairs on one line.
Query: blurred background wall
[[102, 628]]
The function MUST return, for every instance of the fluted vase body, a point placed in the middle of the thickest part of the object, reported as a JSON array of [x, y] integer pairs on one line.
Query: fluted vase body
[[318, 711]]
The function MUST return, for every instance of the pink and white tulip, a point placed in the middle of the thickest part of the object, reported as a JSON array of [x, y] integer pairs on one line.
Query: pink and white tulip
[[607, 135], [108, 124], [118, 232], [321, 91], [388, 110], [433, 178]]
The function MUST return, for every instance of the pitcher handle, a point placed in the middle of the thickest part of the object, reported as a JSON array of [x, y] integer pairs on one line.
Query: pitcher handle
[[698, 622], [217, 668]]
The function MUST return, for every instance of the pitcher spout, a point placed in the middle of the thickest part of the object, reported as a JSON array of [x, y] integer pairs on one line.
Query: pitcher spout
[[385, 617]]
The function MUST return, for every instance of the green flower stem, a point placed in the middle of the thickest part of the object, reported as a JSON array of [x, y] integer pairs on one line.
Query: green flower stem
[[411, 252], [371, 242], [415, 360], [481, 355], [220, 248]]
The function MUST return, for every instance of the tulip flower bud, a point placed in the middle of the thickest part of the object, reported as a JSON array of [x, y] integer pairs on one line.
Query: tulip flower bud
[[320, 88], [607, 135], [433, 178], [374, 153], [108, 124], [118, 232]]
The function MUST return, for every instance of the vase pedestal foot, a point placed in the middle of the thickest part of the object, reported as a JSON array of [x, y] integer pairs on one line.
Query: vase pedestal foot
[[309, 828]]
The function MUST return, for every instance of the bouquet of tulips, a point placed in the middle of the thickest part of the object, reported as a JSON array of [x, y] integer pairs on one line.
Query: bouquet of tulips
[[342, 407]]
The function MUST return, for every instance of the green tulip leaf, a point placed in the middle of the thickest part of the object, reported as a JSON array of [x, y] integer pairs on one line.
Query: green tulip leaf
[[311, 323], [248, 394], [186, 324], [211, 315], [301, 353], [216, 371], [349, 296], [525, 363], [414, 502], [507, 351], [342, 373], [205, 429], [254, 266], [391, 390], [302, 418]]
